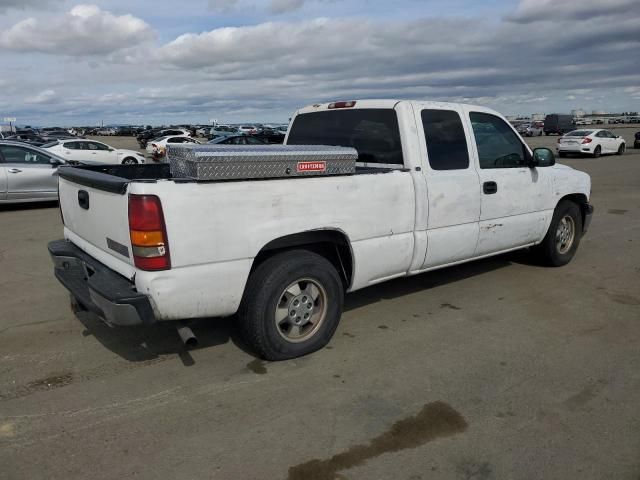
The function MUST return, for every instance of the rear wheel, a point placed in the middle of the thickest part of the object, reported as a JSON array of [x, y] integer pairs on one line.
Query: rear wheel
[[291, 306], [597, 152], [563, 237], [621, 149]]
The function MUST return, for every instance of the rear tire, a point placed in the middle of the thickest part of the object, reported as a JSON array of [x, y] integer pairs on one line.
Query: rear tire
[[597, 152], [563, 237], [291, 306], [620, 149]]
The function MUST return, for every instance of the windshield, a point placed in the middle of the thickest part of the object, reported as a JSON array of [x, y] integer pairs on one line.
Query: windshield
[[579, 133], [374, 133]]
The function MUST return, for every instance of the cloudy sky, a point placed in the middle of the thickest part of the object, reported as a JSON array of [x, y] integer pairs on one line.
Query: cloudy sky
[[120, 61]]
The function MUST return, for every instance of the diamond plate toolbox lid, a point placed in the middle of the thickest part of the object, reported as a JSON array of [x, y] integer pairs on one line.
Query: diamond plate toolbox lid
[[234, 162]]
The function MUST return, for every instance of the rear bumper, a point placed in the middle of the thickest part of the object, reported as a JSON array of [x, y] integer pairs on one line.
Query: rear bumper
[[576, 148], [98, 288]]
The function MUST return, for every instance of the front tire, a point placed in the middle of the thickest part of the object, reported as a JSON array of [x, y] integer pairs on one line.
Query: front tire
[[620, 149], [563, 237], [291, 306], [129, 161]]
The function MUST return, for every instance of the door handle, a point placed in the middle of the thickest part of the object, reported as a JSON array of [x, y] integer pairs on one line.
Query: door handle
[[489, 187], [14, 170]]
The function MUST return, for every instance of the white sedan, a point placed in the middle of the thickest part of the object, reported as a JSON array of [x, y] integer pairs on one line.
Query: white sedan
[[590, 142], [158, 146], [91, 151]]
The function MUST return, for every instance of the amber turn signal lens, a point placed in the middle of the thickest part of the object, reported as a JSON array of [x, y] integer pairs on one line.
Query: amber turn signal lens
[[151, 238]]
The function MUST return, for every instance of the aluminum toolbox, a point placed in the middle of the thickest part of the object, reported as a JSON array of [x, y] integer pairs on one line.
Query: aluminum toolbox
[[232, 162]]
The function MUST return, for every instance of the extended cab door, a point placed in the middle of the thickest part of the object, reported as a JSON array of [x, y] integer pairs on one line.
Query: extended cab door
[[453, 186], [514, 197]]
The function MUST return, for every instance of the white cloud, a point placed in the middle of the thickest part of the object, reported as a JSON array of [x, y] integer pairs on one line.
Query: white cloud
[[263, 71], [84, 30], [44, 97]]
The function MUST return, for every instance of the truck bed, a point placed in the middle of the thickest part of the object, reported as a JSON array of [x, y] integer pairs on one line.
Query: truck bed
[[115, 178]]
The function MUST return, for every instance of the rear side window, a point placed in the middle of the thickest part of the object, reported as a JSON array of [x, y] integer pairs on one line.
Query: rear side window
[[374, 133], [446, 141]]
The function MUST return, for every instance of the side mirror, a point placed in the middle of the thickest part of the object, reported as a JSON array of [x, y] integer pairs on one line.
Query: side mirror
[[543, 157], [55, 162]]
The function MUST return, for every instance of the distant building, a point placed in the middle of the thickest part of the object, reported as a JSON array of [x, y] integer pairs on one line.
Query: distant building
[[598, 112], [537, 116], [578, 112]]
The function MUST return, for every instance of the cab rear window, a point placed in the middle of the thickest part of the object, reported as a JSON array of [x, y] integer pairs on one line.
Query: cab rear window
[[374, 133]]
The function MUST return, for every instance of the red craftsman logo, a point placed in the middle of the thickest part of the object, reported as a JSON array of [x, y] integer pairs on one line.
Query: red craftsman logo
[[311, 167]]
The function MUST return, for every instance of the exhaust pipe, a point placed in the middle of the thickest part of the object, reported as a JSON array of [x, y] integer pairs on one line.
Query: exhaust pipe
[[187, 336]]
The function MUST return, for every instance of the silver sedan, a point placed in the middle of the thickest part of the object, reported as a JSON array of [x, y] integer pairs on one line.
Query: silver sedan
[[27, 173]]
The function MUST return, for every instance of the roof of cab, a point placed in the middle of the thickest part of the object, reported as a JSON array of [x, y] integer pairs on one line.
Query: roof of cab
[[383, 103]]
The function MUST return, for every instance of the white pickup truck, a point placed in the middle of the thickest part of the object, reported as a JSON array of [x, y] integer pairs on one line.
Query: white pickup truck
[[436, 184]]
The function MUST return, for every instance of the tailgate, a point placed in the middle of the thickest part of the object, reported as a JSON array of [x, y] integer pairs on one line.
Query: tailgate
[[96, 220]]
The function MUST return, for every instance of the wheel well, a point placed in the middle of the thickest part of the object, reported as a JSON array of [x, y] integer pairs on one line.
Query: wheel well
[[331, 244], [579, 199]]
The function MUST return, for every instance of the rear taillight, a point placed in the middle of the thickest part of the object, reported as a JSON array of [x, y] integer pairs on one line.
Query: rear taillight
[[148, 233], [350, 104], [586, 140]]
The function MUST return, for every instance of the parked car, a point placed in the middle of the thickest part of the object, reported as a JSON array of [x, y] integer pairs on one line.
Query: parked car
[[157, 148], [92, 151], [27, 173], [147, 135], [221, 131], [237, 140], [534, 129], [282, 253], [269, 135], [590, 142], [559, 124], [636, 141], [125, 131], [29, 138], [202, 131], [106, 132], [57, 135], [248, 129]]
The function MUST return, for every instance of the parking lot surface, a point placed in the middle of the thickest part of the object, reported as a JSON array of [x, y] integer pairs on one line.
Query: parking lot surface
[[495, 369]]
